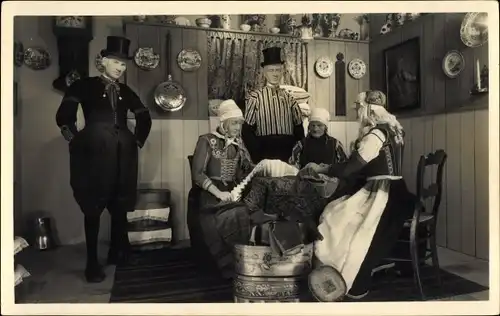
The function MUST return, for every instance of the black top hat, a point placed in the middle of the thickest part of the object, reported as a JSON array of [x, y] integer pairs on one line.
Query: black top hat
[[272, 56], [117, 46]]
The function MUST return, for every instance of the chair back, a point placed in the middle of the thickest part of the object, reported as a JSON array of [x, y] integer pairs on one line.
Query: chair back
[[190, 159], [434, 190]]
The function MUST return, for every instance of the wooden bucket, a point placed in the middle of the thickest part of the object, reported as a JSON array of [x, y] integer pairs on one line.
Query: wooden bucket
[[268, 289], [149, 225], [264, 277], [262, 261]]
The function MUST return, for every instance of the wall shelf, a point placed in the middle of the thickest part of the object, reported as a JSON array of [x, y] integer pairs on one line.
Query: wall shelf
[[233, 31]]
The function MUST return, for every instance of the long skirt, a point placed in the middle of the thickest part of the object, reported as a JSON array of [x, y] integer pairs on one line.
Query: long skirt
[[350, 223], [214, 230]]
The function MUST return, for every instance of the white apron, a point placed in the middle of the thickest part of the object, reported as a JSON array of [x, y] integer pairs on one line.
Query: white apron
[[348, 225]]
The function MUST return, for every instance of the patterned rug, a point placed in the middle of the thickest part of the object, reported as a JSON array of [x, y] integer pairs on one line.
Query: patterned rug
[[172, 276]]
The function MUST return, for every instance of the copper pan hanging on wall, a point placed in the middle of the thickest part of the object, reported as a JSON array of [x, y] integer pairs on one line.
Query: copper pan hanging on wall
[[169, 95]]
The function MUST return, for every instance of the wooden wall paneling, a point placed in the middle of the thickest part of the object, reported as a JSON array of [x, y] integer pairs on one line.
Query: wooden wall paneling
[[415, 30], [417, 147], [203, 127], [175, 47], [202, 101], [438, 101], [334, 48], [149, 36], [428, 148], [452, 40], [466, 77], [189, 78], [311, 72], [481, 181], [439, 142], [352, 85], [453, 185], [172, 154], [467, 193], [150, 157], [323, 85], [190, 135], [429, 64], [376, 62], [337, 129], [376, 22], [407, 154], [352, 131], [132, 73], [364, 54], [386, 41]]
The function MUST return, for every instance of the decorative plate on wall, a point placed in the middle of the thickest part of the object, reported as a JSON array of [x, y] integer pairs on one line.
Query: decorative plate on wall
[[474, 29], [189, 60], [37, 58], [324, 67], [357, 68], [98, 63], [146, 59], [453, 63]]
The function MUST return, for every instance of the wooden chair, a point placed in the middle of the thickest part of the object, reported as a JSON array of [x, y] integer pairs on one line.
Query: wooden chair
[[423, 217]]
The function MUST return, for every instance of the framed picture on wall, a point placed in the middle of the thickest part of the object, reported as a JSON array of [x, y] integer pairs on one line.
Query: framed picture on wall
[[402, 75]]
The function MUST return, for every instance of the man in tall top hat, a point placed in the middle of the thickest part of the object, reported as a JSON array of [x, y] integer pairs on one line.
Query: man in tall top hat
[[273, 119], [104, 154]]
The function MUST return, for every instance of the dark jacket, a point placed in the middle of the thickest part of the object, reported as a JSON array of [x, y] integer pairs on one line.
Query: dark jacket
[[104, 154]]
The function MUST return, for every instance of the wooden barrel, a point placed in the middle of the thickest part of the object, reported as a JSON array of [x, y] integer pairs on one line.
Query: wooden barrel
[[264, 277], [149, 226]]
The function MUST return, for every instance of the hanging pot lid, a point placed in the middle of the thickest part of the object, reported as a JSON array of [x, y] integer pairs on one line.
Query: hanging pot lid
[[169, 95], [474, 29]]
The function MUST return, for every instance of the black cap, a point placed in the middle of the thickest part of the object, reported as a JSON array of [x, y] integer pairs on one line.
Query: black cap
[[117, 46], [272, 56]]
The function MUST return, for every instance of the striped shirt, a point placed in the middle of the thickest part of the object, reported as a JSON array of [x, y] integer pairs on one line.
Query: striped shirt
[[272, 111]]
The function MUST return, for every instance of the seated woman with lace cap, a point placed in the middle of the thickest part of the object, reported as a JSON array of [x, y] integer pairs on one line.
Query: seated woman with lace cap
[[220, 162], [360, 228], [318, 147]]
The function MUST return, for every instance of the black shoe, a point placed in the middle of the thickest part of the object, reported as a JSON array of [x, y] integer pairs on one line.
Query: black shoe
[[94, 274], [383, 266], [355, 298]]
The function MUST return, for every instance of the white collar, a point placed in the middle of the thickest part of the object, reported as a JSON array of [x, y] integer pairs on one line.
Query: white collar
[[228, 141]]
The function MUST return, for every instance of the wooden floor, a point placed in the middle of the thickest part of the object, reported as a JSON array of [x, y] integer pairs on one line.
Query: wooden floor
[[57, 275]]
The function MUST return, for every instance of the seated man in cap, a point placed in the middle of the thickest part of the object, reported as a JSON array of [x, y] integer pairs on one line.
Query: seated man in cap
[[318, 146], [104, 154], [273, 119]]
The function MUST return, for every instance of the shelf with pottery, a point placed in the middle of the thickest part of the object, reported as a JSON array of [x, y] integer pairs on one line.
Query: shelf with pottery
[[239, 32]]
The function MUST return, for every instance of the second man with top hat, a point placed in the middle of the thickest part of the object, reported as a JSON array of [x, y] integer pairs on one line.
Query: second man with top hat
[[273, 120]]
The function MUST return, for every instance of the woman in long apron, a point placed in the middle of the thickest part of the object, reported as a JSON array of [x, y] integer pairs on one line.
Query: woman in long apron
[[360, 228]]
